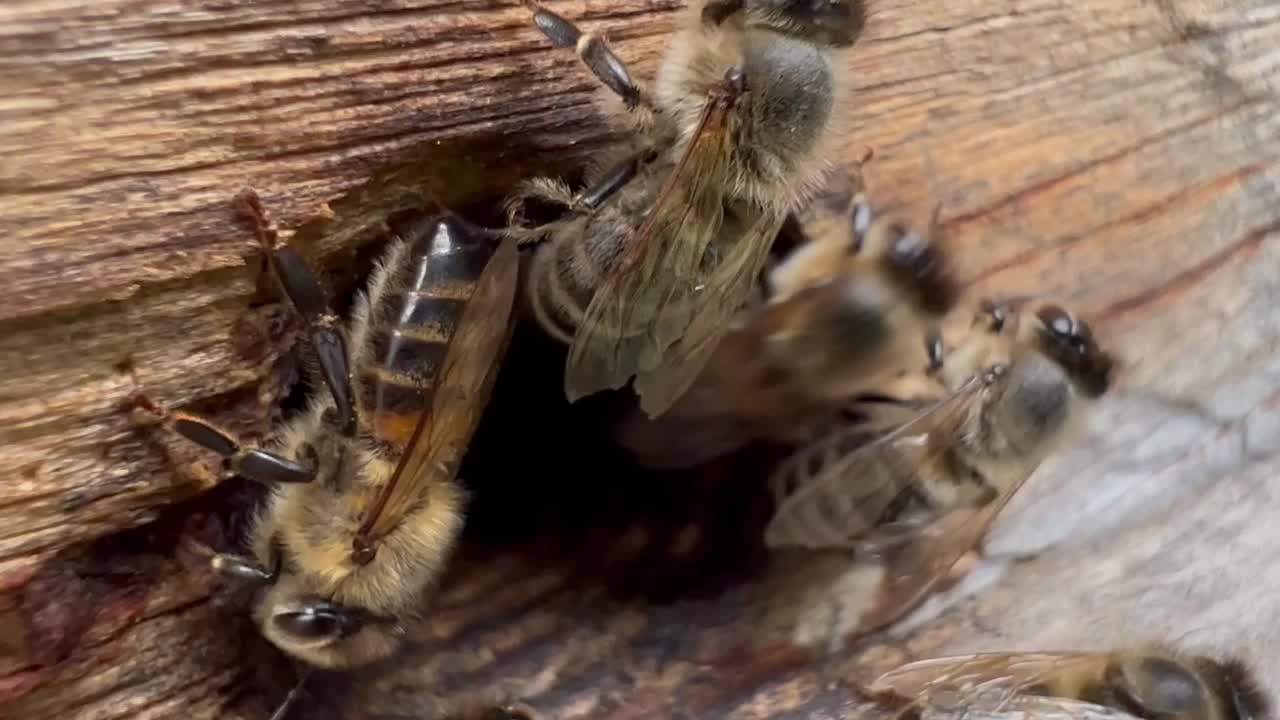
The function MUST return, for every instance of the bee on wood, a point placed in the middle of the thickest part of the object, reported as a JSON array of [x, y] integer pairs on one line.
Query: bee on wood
[[364, 510], [919, 489], [855, 308], [648, 263], [1153, 683]]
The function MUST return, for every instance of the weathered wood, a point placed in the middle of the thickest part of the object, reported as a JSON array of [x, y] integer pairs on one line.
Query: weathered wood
[[1121, 153], [129, 128]]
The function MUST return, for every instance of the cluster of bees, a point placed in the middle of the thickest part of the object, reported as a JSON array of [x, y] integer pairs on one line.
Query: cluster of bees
[[667, 269]]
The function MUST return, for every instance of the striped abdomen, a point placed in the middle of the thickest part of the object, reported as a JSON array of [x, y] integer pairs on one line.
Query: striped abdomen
[[413, 316], [565, 273], [831, 495]]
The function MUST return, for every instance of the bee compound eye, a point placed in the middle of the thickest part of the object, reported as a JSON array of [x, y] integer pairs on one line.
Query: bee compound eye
[[1160, 687], [316, 622], [1058, 321]]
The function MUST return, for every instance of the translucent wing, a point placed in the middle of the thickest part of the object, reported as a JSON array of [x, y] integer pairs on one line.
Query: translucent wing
[[967, 675], [1022, 707], [461, 392], [737, 394], [914, 568], [842, 491], [715, 302], [739, 379], [814, 511], [669, 269], [990, 683], [870, 500]]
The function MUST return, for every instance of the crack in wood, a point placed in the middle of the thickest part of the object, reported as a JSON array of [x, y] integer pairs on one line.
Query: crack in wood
[[1191, 276], [1213, 187]]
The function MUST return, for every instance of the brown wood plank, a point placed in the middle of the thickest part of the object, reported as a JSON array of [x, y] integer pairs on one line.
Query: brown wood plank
[[1123, 154]]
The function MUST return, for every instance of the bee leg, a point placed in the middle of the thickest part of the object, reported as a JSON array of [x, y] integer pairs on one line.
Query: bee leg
[[590, 198], [582, 202], [256, 464], [595, 54], [240, 568], [253, 463], [308, 298], [245, 569]]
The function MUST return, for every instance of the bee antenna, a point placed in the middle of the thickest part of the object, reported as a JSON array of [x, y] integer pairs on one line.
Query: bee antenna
[[292, 697]]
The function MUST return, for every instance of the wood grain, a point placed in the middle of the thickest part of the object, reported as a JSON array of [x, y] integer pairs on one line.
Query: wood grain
[[1122, 154]]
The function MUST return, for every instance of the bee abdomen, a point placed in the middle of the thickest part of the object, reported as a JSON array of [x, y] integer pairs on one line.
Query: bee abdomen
[[558, 304], [415, 323], [564, 277]]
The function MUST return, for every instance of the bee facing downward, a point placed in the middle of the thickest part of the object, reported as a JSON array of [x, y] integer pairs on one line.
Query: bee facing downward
[[1153, 683], [364, 510], [921, 493], [854, 309], [655, 255]]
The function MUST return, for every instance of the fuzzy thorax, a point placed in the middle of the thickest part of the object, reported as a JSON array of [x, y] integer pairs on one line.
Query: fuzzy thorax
[[779, 131]]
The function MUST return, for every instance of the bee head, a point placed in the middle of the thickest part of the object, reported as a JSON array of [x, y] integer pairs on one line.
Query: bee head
[[323, 633], [834, 23], [1235, 688], [1069, 342], [913, 262], [1155, 686]]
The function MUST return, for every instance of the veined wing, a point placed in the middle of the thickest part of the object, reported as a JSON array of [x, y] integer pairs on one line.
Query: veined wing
[[644, 304], [916, 566], [713, 304], [866, 492], [986, 681], [837, 492], [461, 392]]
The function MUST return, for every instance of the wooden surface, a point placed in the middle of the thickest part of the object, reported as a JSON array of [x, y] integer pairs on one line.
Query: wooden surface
[[1123, 154]]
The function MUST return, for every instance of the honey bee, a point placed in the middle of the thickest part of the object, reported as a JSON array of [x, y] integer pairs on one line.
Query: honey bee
[[919, 490], [854, 309], [1152, 682], [364, 510], [649, 262]]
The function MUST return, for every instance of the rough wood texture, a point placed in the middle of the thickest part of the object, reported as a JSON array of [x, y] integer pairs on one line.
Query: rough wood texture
[[1122, 153]]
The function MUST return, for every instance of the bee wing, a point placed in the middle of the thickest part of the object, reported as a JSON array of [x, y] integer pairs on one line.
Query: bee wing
[[717, 299], [834, 493], [648, 301], [1028, 707], [968, 673], [989, 683], [736, 394], [915, 566], [735, 381], [465, 380], [822, 491]]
